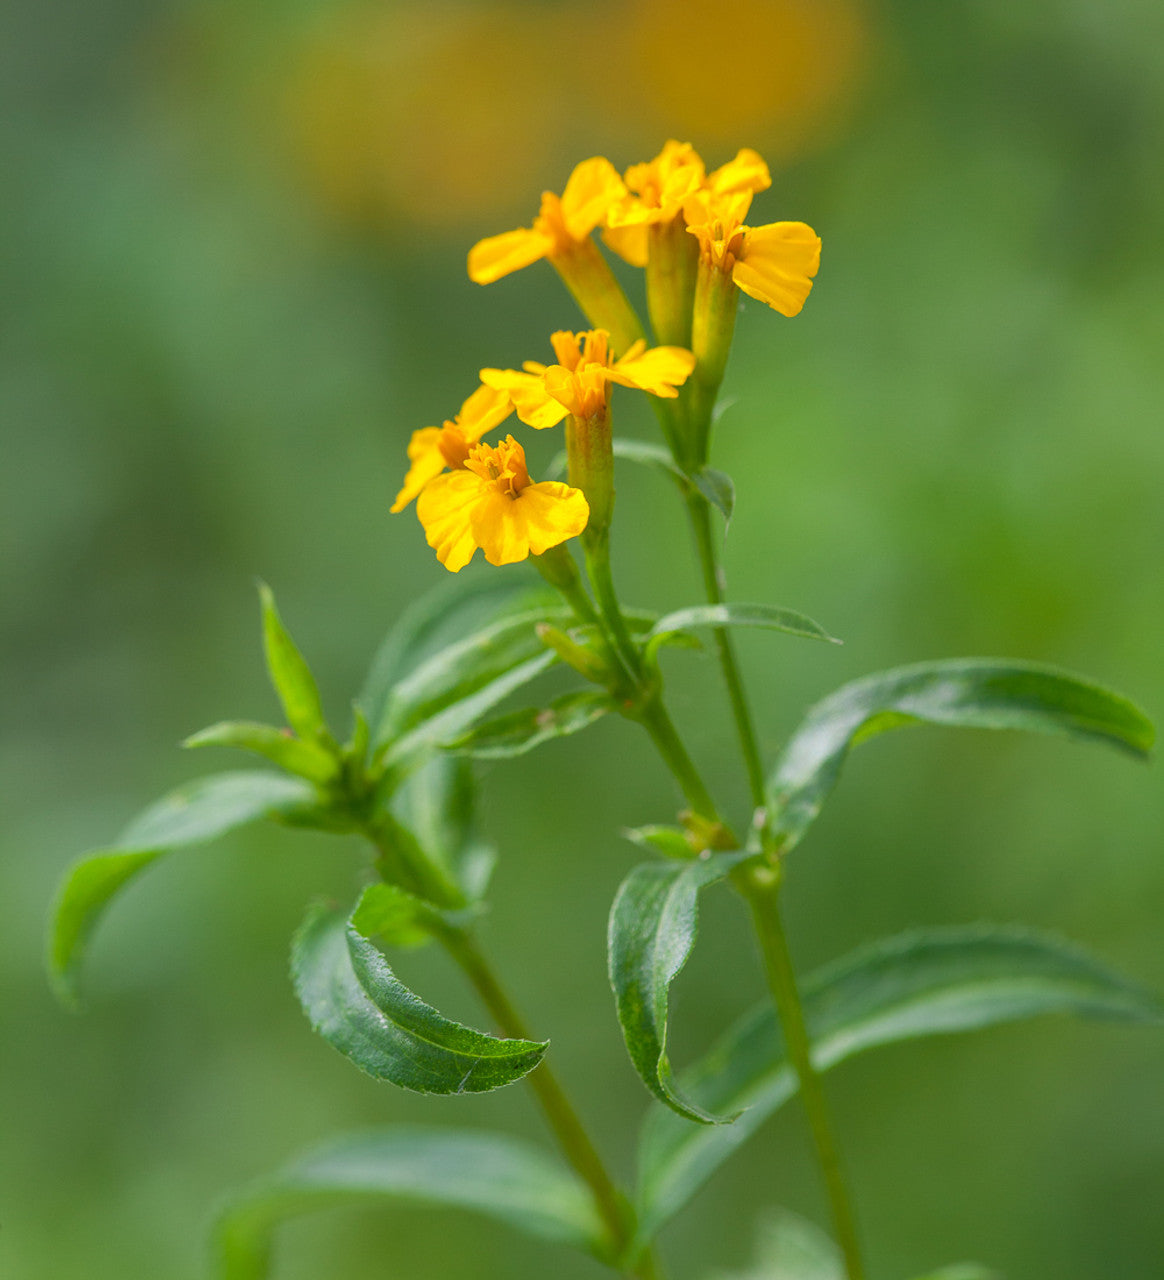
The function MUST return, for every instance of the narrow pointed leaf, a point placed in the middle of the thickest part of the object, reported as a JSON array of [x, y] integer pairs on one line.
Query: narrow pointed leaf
[[359, 1006], [971, 693], [521, 731], [716, 486], [669, 841], [650, 455], [192, 814], [767, 616], [457, 608], [290, 673], [306, 758], [392, 917], [486, 1173], [919, 984], [653, 925]]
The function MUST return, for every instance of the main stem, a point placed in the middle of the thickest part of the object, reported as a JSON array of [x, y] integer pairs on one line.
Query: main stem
[[761, 890]]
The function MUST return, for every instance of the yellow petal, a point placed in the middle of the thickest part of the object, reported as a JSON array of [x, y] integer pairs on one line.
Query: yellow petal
[[747, 172], [497, 256], [445, 510], [424, 452], [659, 370], [776, 264], [630, 242], [535, 407], [541, 516], [485, 409], [593, 187]]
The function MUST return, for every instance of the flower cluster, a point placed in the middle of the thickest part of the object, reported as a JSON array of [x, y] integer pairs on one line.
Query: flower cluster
[[685, 226]]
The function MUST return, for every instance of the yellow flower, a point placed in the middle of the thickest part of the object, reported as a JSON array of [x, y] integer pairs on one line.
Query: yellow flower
[[774, 263], [580, 381], [490, 503], [431, 449], [562, 225], [660, 188]]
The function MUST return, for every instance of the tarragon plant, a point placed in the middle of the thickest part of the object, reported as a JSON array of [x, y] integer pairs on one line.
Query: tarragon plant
[[403, 779]]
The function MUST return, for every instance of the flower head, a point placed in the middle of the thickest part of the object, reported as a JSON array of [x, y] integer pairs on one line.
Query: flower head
[[491, 503], [579, 382], [563, 223], [659, 189], [432, 449], [774, 263]]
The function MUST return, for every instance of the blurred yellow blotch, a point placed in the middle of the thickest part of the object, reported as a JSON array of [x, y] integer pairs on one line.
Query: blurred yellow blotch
[[449, 113]]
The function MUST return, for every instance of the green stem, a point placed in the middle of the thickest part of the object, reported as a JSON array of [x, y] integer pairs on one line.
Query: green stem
[[713, 585], [596, 548], [556, 1106], [654, 718], [761, 890]]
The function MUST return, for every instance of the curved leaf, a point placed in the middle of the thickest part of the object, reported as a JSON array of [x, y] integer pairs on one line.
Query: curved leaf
[[297, 755], [485, 1173], [789, 1247], [359, 1006], [521, 731], [459, 607], [191, 814], [767, 616], [653, 924], [715, 486], [972, 693], [918, 984]]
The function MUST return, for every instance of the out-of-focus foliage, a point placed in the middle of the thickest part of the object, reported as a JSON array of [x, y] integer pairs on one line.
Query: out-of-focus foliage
[[233, 282]]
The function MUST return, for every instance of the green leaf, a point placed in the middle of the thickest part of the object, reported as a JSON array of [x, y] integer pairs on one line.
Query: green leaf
[[669, 841], [719, 489], [740, 615], [650, 455], [789, 1247], [307, 759], [359, 1006], [460, 606], [918, 984], [192, 814], [486, 1173], [521, 731], [972, 693], [393, 917], [290, 674], [653, 924]]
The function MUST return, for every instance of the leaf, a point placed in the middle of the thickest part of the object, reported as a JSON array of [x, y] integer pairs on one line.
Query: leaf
[[486, 1173], [305, 758], [789, 1247], [717, 488], [458, 662], [458, 607], [921, 983], [192, 814], [653, 924], [290, 674], [740, 615], [669, 841], [394, 917], [359, 1006], [521, 731], [973, 693]]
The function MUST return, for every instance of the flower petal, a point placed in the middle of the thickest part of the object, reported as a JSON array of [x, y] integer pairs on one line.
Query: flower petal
[[542, 515], [659, 370], [630, 242], [485, 409], [593, 187], [445, 509], [497, 256], [424, 452], [747, 172], [535, 407], [776, 264]]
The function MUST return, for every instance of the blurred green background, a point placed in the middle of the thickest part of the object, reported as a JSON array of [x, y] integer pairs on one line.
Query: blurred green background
[[232, 279]]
